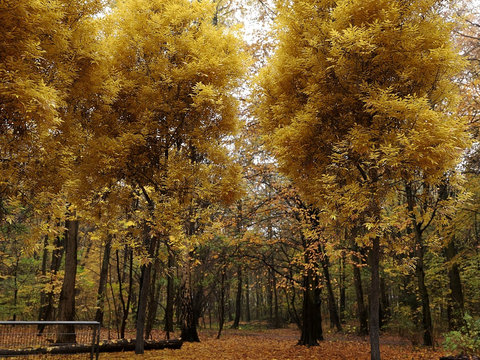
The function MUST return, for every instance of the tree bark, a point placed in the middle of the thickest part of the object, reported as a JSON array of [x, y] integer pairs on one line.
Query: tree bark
[[169, 305], [46, 309], [247, 300], [375, 299], [385, 313], [189, 328], [276, 315], [423, 292], [357, 281], [291, 303], [66, 305], [343, 300], [143, 297], [43, 295], [362, 310], [270, 297], [332, 307], [153, 298], [311, 314], [221, 310], [125, 304], [102, 286], [238, 300], [456, 306], [420, 270]]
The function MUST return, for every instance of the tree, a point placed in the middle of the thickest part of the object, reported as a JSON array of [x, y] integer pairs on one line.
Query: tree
[[356, 98], [168, 123]]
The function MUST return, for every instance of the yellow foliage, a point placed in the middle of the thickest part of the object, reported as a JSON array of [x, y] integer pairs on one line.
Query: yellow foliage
[[359, 96]]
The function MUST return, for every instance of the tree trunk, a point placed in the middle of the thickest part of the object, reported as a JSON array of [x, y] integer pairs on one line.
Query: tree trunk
[[423, 292], [276, 315], [102, 286], [247, 300], [153, 299], [385, 313], [169, 305], [343, 299], [291, 303], [43, 294], [259, 301], [311, 314], [46, 309], [375, 299], [238, 300], [125, 304], [221, 310], [362, 310], [420, 270], [143, 297], [270, 296], [456, 306], [189, 328], [332, 307], [66, 305]]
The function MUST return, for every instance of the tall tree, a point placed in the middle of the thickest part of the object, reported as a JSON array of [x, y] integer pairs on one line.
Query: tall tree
[[177, 74], [358, 96]]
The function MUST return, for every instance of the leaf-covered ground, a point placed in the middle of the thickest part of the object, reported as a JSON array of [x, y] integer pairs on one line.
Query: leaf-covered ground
[[281, 345]]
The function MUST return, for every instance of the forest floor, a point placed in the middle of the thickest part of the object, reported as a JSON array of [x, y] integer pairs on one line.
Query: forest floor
[[280, 344]]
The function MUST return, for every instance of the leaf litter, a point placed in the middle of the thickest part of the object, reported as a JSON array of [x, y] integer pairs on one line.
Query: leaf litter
[[280, 344]]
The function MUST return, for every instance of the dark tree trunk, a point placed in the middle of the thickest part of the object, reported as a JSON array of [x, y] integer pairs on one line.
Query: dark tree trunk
[[153, 299], [188, 316], [423, 292], [143, 297], [332, 307], [142, 309], [420, 270], [125, 304], [375, 299], [221, 310], [66, 305], [311, 314], [247, 300], [276, 315], [291, 304], [343, 300], [456, 306], [46, 309], [362, 310], [385, 313], [102, 286], [198, 302], [189, 328], [270, 296], [238, 300], [169, 305], [259, 301], [43, 294]]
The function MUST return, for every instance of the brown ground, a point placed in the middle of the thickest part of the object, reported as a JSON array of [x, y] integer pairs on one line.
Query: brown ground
[[280, 344]]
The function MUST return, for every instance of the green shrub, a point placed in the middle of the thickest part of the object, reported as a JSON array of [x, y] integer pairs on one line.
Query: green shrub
[[467, 339]]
